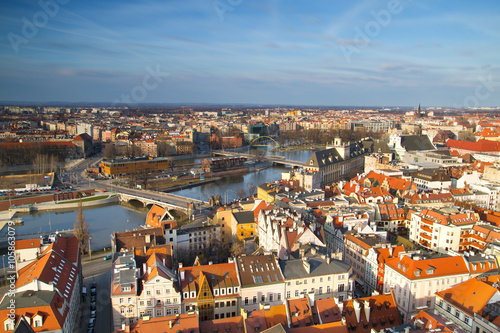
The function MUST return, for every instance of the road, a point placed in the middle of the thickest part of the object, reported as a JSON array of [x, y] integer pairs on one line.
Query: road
[[98, 271]]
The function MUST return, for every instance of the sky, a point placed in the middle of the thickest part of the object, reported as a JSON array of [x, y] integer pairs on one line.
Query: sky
[[318, 52]]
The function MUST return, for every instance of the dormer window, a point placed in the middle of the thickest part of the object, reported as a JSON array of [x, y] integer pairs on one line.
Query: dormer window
[[417, 273], [430, 271], [9, 324]]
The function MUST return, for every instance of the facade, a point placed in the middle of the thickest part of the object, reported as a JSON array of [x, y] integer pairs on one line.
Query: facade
[[124, 290], [119, 167], [442, 230], [415, 280], [243, 225], [356, 249], [261, 281], [318, 277], [211, 290], [160, 295], [198, 240]]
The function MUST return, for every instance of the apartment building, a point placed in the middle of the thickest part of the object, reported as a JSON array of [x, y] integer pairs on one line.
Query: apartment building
[[472, 305], [441, 230], [160, 295], [261, 281], [317, 276], [356, 249], [198, 240], [212, 290], [415, 280], [124, 290]]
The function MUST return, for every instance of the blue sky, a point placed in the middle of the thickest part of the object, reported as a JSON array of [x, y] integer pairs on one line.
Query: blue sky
[[324, 52]]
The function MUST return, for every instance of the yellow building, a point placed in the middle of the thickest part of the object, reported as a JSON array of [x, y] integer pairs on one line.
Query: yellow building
[[243, 225], [267, 192], [119, 167]]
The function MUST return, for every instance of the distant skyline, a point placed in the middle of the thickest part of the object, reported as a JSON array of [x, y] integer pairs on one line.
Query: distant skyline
[[385, 53]]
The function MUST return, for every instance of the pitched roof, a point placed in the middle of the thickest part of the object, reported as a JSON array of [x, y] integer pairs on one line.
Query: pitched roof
[[472, 295], [229, 325], [27, 244], [416, 142], [479, 146], [216, 276], [257, 270], [294, 268], [427, 268], [383, 313]]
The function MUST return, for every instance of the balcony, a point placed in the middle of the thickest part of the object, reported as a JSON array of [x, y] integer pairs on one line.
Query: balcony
[[426, 228], [427, 222], [424, 236], [425, 243]]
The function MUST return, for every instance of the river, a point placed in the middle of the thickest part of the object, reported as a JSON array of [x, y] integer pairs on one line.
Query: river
[[102, 221], [229, 186]]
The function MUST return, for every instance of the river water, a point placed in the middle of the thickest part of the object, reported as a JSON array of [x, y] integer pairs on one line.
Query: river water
[[227, 188], [102, 221]]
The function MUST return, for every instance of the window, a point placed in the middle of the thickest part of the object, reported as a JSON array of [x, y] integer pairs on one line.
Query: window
[[169, 312], [246, 300], [340, 287], [279, 296], [148, 292], [141, 303], [296, 293], [271, 297], [288, 294], [131, 310], [158, 313], [122, 310], [254, 299], [121, 300], [263, 299], [130, 300], [320, 290]]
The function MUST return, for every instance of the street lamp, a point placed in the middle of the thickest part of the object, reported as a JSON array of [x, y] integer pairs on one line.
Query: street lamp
[[90, 249]]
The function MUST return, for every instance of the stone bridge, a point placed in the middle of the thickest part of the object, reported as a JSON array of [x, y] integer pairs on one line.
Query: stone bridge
[[148, 202]]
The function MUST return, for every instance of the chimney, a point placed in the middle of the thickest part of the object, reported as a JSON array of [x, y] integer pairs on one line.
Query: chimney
[[328, 260], [357, 309], [127, 328], [149, 270], [163, 261], [144, 268], [180, 265], [170, 324], [307, 266], [123, 326], [182, 275], [367, 310]]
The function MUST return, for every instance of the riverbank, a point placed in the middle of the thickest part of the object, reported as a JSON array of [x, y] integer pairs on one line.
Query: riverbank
[[194, 183]]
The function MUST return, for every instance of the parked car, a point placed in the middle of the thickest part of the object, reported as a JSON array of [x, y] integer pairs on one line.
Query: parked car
[[91, 322], [108, 257], [93, 313]]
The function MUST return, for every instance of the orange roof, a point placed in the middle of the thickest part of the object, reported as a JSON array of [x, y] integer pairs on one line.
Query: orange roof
[[183, 323], [327, 310], [229, 325], [27, 244], [426, 321], [216, 274], [336, 327], [267, 318], [383, 313], [479, 146], [300, 312], [472, 295], [425, 268], [52, 318]]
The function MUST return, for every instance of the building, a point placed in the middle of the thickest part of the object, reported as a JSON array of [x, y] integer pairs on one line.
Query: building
[[122, 166], [431, 179], [198, 240], [442, 230], [339, 162], [160, 294], [124, 290], [356, 249], [48, 290], [243, 225], [472, 305], [211, 290], [261, 281], [170, 324], [375, 313], [415, 280], [317, 276]]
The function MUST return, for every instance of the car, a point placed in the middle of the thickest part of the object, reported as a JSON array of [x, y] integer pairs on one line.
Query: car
[[92, 306], [93, 313], [108, 257], [93, 285], [90, 330], [91, 322], [92, 299]]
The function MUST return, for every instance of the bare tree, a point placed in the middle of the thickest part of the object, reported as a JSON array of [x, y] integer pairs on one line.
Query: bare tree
[[237, 249], [241, 192], [251, 188], [109, 150], [81, 229]]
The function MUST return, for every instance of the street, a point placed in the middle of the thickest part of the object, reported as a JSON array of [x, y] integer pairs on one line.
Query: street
[[98, 271]]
